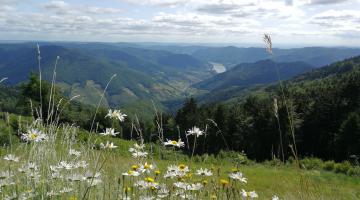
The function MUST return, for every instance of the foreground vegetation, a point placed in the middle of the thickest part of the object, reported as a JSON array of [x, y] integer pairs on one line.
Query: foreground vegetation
[[71, 164]]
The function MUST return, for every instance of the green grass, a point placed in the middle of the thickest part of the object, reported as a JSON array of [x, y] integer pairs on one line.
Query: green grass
[[286, 181]]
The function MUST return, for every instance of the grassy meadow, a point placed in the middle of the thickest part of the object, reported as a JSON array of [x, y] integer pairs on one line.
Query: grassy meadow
[[68, 163]]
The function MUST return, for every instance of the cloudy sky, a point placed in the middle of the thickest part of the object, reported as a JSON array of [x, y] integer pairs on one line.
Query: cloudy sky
[[292, 22]]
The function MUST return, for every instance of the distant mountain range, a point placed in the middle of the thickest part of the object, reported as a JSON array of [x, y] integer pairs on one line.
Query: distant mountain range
[[316, 56], [248, 74], [141, 74], [159, 74], [308, 81]]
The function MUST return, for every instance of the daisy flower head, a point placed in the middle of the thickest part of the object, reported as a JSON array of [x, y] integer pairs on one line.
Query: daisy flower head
[[139, 154], [116, 114], [131, 173], [174, 143], [163, 192], [195, 131], [109, 131], [11, 158], [275, 197], [250, 195], [181, 185], [138, 151], [195, 187], [33, 135], [238, 176], [203, 172], [108, 145], [146, 168], [183, 168], [73, 152]]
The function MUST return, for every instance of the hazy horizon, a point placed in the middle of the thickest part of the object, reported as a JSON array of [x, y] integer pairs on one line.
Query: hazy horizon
[[180, 44]]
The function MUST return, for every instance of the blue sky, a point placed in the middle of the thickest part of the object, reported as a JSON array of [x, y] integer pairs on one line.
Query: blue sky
[[291, 22]]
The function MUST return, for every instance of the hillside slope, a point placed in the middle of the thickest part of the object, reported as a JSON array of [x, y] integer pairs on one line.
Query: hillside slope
[[249, 74], [86, 71]]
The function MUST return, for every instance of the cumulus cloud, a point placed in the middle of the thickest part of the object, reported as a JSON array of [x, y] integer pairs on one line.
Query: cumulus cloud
[[342, 23], [6, 8], [326, 1], [63, 8], [161, 3], [262, 9]]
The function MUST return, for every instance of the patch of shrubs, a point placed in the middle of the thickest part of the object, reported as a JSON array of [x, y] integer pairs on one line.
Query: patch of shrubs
[[310, 163], [344, 167]]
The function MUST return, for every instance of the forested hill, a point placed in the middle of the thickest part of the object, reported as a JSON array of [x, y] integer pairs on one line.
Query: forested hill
[[249, 74], [324, 105]]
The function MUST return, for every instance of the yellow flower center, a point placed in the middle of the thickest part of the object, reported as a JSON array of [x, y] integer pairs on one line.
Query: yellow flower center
[[33, 136], [149, 179], [174, 142], [146, 166], [182, 166], [134, 167], [157, 172]]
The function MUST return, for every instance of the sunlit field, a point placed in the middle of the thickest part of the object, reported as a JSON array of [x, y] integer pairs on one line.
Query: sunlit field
[[62, 162]]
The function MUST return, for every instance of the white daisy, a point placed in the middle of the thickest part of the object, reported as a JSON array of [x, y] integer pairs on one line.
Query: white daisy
[[174, 143], [195, 131], [139, 154], [11, 158], [238, 176], [34, 135], [116, 114], [275, 198], [146, 168], [131, 173], [65, 165], [203, 172], [73, 152], [163, 192], [109, 131], [195, 187], [81, 164], [251, 194], [108, 145]]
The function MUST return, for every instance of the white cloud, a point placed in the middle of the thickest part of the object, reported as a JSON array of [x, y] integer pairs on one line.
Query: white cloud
[[326, 1], [161, 3], [63, 8], [343, 23], [245, 9]]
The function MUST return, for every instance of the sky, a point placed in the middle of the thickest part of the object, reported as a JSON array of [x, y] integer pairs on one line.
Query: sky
[[289, 22]]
